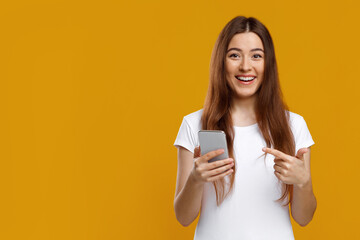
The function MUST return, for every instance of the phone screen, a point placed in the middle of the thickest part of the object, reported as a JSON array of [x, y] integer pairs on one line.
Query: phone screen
[[211, 140]]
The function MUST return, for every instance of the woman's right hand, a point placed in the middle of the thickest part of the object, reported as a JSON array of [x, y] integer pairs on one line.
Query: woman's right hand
[[203, 171]]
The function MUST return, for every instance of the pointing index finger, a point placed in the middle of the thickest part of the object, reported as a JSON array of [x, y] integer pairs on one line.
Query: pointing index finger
[[275, 152]]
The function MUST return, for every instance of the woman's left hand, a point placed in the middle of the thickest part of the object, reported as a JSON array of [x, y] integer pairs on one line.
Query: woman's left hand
[[289, 169]]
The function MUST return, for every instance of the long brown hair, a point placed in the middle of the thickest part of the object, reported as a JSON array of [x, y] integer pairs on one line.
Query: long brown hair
[[272, 113]]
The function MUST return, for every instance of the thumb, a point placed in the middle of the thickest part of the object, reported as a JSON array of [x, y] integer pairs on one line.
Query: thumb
[[300, 153], [197, 152]]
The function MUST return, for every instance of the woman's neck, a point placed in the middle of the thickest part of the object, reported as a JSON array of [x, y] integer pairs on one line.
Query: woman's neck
[[243, 111]]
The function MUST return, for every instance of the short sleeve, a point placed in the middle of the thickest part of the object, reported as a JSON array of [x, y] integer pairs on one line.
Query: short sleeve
[[185, 137], [302, 136]]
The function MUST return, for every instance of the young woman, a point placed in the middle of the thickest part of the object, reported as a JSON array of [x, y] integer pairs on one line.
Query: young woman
[[269, 147]]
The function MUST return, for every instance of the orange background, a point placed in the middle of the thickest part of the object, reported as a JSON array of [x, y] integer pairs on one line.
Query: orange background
[[92, 94]]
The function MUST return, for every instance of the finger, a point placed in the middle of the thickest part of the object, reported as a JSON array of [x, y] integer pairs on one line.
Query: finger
[[301, 152], [279, 169], [219, 170], [197, 152], [218, 164], [206, 157], [214, 178], [281, 164], [278, 160], [279, 176], [276, 153]]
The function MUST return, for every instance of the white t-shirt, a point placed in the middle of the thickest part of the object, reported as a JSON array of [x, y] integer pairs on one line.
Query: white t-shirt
[[250, 211]]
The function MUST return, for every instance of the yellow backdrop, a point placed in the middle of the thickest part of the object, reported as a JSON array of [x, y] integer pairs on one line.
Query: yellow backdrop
[[92, 94]]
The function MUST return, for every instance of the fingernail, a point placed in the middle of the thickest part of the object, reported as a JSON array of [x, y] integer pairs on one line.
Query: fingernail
[[264, 148]]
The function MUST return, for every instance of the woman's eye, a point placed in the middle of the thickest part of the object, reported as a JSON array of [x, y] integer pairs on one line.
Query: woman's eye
[[259, 56], [234, 55]]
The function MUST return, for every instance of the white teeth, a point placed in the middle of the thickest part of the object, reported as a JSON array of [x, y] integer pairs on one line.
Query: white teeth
[[245, 78]]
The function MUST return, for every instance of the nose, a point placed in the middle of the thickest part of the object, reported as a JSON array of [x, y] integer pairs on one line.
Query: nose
[[245, 65]]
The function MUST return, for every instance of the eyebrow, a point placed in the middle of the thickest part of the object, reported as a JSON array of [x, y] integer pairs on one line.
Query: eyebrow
[[239, 50]]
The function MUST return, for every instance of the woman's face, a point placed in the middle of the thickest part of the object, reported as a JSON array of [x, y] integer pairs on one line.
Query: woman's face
[[245, 64]]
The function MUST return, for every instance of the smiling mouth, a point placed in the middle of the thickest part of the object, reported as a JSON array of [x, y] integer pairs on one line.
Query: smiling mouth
[[245, 79]]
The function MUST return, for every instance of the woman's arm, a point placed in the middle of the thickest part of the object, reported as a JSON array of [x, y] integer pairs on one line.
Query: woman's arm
[[304, 203], [188, 192], [296, 171], [193, 172]]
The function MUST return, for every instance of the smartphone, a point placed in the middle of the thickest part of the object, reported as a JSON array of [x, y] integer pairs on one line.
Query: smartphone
[[211, 140]]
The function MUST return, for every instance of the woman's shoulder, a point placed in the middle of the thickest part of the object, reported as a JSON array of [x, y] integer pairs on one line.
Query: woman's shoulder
[[294, 115], [297, 122], [295, 118], [194, 119], [194, 116], [301, 131]]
